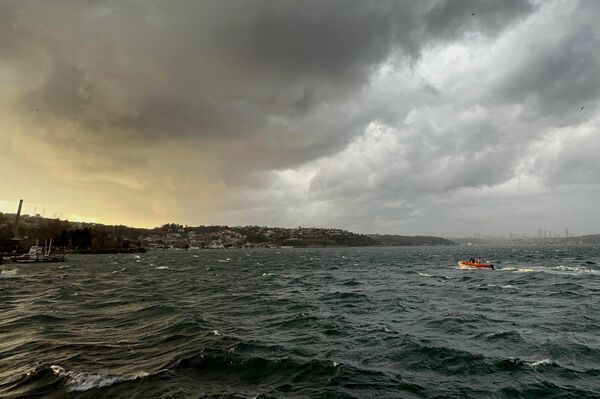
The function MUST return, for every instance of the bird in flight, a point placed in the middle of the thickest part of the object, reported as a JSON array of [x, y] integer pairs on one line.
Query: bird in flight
[[582, 108]]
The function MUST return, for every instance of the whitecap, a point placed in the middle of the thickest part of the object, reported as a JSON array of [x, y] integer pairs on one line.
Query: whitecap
[[573, 270], [9, 273], [216, 332], [118, 271], [424, 274], [560, 269], [82, 381], [335, 364], [542, 362], [163, 268]]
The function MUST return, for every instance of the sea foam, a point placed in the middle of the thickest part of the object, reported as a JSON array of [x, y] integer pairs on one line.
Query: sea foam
[[82, 381], [542, 362]]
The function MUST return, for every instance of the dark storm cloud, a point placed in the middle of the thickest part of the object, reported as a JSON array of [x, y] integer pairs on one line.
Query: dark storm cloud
[[221, 69], [333, 40], [381, 108]]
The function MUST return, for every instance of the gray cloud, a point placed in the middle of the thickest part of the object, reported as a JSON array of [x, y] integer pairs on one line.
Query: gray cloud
[[215, 68], [559, 72], [452, 18], [220, 97]]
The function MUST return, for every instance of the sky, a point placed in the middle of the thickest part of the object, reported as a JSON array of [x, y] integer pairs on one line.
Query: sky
[[445, 117]]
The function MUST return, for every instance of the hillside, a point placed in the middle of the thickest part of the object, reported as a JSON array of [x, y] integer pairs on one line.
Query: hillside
[[397, 240], [99, 238]]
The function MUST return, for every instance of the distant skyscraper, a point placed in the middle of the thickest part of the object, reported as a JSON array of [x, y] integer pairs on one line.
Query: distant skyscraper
[[540, 233], [566, 231]]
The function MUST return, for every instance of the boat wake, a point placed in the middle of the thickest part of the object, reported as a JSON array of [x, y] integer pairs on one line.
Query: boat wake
[[560, 269]]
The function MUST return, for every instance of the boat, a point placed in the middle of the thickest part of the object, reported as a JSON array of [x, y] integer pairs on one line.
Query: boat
[[37, 254], [474, 264]]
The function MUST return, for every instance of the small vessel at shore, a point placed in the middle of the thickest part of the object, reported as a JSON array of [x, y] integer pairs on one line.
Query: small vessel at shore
[[37, 254], [474, 264]]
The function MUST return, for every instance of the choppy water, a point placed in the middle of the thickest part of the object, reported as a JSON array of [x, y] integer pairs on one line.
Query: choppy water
[[298, 323]]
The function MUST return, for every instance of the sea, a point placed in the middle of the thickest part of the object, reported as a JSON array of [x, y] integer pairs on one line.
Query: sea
[[399, 322]]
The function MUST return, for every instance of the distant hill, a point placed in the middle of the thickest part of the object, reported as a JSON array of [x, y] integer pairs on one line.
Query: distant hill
[[99, 238], [397, 240]]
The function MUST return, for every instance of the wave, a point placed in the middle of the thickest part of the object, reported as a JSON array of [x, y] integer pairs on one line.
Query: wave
[[560, 269], [310, 332], [298, 321], [542, 362], [574, 269], [83, 381], [512, 336], [9, 273], [505, 287], [33, 320], [345, 296], [53, 376], [513, 363], [224, 364]]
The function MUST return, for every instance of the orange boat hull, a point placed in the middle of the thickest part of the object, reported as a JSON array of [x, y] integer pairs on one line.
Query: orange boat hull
[[465, 264]]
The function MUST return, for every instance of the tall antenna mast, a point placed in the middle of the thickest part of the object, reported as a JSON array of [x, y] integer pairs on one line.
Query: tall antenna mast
[[17, 218]]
